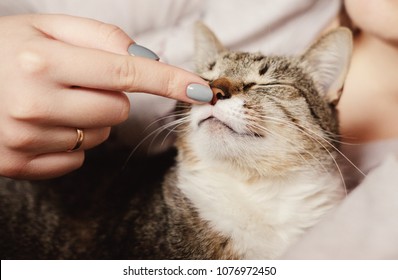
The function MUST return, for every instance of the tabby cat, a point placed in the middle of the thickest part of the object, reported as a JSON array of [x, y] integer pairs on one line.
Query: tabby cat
[[253, 171]]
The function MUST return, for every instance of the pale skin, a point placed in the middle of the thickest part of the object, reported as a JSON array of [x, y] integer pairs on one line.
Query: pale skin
[[368, 107], [59, 73], [368, 112]]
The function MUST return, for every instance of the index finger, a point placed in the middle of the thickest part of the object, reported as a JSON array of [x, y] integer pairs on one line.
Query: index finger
[[99, 69], [144, 75]]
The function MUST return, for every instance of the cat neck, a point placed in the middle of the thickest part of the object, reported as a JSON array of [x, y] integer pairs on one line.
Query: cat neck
[[261, 216]]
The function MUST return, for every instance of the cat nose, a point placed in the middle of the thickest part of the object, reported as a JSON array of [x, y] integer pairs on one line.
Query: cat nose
[[219, 94], [221, 90]]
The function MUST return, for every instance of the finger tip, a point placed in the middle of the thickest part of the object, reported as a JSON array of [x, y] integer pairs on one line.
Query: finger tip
[[199, 93]]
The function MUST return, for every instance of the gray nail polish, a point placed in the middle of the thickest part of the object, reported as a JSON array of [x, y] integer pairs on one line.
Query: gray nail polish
[[199, 92], [138, 50]]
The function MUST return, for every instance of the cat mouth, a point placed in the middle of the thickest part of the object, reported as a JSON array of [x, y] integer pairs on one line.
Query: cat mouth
[[218, 122]]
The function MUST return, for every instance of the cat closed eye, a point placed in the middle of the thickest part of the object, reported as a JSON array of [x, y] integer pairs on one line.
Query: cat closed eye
[[274, 84], [248, 86], [207, 80]]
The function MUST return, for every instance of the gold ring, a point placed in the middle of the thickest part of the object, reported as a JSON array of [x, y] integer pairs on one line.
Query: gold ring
[[79, 140]]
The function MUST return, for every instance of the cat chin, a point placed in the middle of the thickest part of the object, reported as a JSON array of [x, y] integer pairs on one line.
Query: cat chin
[[226, 117], [214, 127], [218, 144]]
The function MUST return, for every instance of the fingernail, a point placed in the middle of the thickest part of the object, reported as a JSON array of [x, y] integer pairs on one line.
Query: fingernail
[[199, 92], [141, 51]]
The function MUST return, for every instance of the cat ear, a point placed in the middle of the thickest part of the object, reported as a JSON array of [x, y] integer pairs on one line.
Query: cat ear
[[328, 60], [207, 47]]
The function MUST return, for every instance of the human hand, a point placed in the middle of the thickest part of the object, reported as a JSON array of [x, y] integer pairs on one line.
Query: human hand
[[61, 73]]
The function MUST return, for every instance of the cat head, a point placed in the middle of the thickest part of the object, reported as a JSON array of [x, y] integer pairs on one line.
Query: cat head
[[269, 113]]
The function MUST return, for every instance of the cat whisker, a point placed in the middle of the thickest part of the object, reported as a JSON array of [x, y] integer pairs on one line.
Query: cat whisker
[[293, 145], [339, 152], [167, 126], [174, 130], [156, 133], [331, 136], [307, 132], [335, 148], [175, 115], [183, 105]]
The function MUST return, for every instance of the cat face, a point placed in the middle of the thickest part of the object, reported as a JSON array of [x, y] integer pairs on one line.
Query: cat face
[[269, 114]]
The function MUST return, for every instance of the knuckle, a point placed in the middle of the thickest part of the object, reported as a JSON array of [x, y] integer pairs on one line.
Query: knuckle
[[171, 85], [118, 111], [124, 108], [17, 140], [32, 61], [125, 74], [109, 32], [29, 109]]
